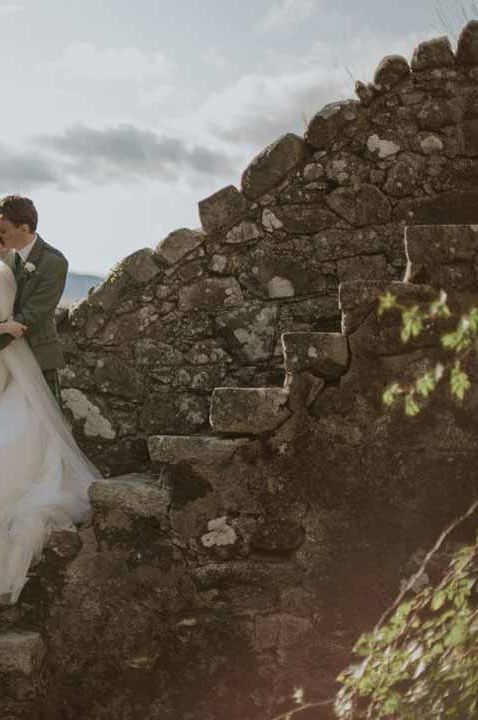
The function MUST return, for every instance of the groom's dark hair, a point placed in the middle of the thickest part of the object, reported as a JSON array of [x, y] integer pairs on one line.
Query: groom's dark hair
[[19, 210]]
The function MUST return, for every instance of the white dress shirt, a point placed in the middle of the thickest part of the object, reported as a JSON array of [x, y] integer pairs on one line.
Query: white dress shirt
[[24, 252]]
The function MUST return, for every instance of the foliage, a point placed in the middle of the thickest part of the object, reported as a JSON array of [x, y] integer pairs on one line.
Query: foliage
[[421, 660], [459, 342], [424, 661]]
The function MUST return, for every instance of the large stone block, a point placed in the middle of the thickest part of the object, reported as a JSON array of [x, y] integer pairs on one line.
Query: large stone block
[[437, 253], [323, 354], [362, 205], [248, 411], [134, 494], [272, 165], [211, 293], [179, 243], [391, 70], [167, 411], [433, 54], [193, 449], [222, 209], [249, 331], [467, 49], [330, 121]]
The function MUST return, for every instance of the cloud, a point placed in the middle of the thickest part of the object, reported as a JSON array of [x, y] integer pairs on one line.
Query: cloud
[[258, 107], [126, 153], [10, 8], [21, 171], [285, 13]]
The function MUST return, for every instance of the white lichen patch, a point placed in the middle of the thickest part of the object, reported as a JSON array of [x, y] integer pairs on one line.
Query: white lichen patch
[[220, 533], [280, 287], [270, 221], [384, 148], [244, 232], [312, 352], [82, 409], [431, 144]]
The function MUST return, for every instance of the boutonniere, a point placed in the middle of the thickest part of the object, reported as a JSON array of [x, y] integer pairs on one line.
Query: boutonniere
[[29, 269]]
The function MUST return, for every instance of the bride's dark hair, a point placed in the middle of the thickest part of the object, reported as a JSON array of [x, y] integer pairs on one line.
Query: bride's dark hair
[[19, 210]]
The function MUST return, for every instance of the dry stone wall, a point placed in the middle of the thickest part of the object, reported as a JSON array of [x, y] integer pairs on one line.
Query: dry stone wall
[[207, 307]]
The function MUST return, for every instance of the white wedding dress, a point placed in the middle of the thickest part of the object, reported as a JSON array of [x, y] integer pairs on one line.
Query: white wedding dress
[[44, 476]]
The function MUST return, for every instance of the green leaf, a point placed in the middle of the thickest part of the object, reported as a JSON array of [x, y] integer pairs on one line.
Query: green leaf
[[425, 384], [386, 302], [391, 393], [438, 600], [459, 382], [412, 323], [411, 407]]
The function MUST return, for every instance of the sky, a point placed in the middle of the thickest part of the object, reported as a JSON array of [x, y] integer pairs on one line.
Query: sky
[[118, 117]]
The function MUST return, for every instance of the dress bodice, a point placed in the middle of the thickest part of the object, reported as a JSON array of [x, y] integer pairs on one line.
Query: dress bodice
[[8, 288]]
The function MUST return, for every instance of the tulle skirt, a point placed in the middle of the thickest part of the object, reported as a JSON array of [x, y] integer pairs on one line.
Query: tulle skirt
[[44, 476]]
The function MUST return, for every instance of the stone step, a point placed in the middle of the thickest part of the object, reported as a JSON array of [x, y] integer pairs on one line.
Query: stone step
[[193, 449], [248, 411], [21, 662], [122, 504], [324, 354]]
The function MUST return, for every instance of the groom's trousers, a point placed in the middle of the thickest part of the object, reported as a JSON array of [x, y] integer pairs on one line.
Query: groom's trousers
[[51, 376]]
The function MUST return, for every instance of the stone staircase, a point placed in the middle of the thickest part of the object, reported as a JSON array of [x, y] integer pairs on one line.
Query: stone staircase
[[134, 512]]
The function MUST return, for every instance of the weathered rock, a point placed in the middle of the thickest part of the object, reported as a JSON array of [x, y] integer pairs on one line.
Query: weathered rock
[[249, 331], [211, 293], [431, 250], [300, 218], [178, 244], [114, 376], [245, 232], [362, 267], [363, 205], [323, 354], [392, 69], [467, 48], [303, 389], [167, 411], [433, 54], [435, 114], [193, 449], [272, 165], [21, 659], [248, 411], [329, 122], [222, 209], [405, 176], [382, 147], [133, 494]]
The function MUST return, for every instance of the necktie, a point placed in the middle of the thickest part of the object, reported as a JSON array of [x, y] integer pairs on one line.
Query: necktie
[[18, 264]]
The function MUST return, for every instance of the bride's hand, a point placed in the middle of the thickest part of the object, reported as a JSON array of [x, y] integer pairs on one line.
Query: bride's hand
[[10, 327]]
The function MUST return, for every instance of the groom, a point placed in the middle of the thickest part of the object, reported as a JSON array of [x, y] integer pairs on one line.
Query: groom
[[40, 271]]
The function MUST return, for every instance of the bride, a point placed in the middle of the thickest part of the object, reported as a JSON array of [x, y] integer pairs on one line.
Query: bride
[[44, 476]]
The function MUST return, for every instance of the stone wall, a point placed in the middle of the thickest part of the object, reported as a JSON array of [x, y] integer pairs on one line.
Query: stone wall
[[207, 307], [244, 569]]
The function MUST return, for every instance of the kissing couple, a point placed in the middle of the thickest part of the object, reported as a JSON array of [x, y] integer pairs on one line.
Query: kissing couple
[[44, 476]]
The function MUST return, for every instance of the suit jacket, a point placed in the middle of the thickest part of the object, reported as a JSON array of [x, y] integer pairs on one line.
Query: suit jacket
[[38, 294]]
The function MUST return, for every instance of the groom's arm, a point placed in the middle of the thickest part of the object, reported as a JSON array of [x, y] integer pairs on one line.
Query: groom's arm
[[46, 296]]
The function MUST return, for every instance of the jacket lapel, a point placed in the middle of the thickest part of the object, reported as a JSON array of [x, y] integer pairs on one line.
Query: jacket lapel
[[25, 284]]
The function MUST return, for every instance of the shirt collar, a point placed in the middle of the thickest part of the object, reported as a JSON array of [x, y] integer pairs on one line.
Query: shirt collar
[[24, 252]]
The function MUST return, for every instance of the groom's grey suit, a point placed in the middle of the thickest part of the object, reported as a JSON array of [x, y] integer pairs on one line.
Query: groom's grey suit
[[38, 294]]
